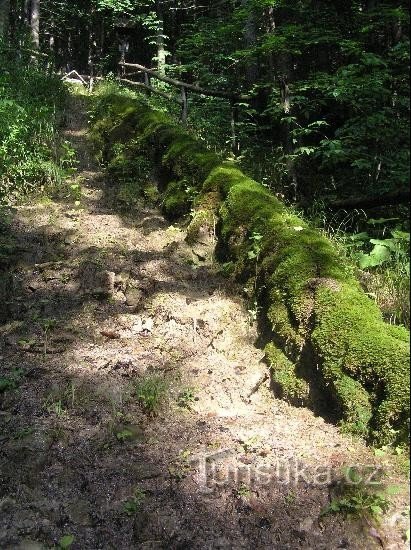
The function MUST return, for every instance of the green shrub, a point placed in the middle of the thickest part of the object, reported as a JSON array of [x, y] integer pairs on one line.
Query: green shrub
[[32, 156], [151, 393], [356, 498]]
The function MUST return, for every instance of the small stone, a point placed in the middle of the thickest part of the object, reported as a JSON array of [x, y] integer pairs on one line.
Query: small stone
[[121, 278], [133, 297], [34, 285]]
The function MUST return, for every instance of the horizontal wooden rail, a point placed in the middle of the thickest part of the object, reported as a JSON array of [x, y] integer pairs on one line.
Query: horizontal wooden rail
[[137, 73], [186, 85], [386, 199], [151, 89]]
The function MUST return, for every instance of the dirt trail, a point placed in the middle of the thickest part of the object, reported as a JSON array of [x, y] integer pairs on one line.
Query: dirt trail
[[99, 301]]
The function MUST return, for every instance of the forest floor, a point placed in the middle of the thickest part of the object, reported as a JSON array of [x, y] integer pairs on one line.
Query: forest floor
[[103, 306]]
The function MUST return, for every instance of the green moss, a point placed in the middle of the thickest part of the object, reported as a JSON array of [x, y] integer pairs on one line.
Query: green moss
[[151, 193], [203, 220], [314, 306], [222, 178], [352, 340], [362, 361], [129, 195], [354, 404], [280, 323], [290, 386], [176, 201]]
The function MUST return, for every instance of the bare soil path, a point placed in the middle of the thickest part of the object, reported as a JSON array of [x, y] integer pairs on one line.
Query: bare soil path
[[97, 309]]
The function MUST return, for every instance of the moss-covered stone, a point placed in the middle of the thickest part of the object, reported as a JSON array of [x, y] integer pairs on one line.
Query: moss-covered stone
[[353, 341], [281, 324], [315, 303], [318, 314], [176, 200], [202, 227], [290, 387]]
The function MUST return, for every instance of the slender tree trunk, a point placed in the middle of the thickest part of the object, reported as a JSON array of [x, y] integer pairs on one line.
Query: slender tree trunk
[[271, 28], [4, 18], [285, 78], [91, 51], [250, 38], [161, 48], [35, 22]]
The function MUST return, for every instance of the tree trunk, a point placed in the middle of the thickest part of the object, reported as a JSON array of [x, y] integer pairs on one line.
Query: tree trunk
[[387, 199], [271, 28], [250, 38], [285, 78], [161, 48], [4, 18], [35, 22], [91, 51]]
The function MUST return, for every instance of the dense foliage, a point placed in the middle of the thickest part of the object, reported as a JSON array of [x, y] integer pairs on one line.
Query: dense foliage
[[32, 156], [329, 80]]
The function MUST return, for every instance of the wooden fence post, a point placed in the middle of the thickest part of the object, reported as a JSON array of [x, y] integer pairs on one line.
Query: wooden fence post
[[234, 121], [184, 105], [184, 88], [147, 82]]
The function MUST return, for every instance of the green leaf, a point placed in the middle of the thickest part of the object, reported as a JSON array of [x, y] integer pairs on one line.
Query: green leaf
[[360, 237], [66, 541], [366, 261], [401, 236], [388, 243], [381, 253], [335, 506], [305, 151]]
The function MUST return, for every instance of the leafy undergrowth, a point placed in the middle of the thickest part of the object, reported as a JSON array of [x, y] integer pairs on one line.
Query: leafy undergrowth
[[33, 158], [380, 249], [299, 285]]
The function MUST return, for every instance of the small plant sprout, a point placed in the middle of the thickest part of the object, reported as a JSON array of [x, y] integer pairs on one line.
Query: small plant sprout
[[65, 542], [243, 491], [358, 499], [186, 398], [290, 498], [151, 393], [56, 408], [124, 435], [11, 381], [132, 505]]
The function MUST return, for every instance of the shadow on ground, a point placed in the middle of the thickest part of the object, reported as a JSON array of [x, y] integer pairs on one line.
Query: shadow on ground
[[94, 304]]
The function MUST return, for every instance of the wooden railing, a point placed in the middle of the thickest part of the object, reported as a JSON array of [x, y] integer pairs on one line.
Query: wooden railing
[[182, 99], [185, 88]]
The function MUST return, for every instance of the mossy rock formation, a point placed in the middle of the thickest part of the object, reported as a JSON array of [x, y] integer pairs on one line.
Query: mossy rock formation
[[325, 331]]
